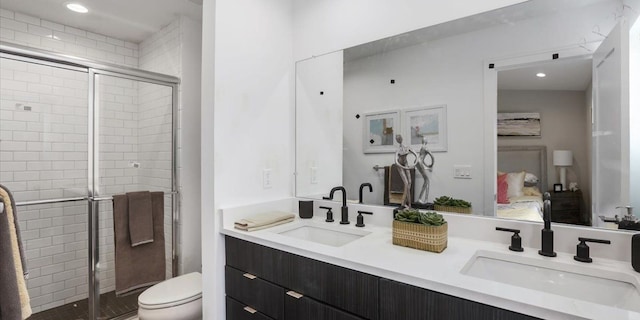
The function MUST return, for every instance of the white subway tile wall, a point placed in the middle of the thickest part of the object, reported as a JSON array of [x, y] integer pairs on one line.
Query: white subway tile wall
[[42, 34], [43, 146]]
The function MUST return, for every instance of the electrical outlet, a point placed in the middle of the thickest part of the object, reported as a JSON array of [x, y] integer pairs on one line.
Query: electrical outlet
[[266, 179], [462, 172], [314, 175]]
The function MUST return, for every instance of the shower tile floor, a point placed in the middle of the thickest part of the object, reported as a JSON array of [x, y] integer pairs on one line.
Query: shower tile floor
[[110, 307]]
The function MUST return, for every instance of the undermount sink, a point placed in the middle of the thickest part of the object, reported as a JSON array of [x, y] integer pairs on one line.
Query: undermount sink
[[585, 283], [327, 235]]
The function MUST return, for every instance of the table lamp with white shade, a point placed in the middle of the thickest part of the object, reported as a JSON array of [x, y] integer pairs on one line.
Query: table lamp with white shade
[[563, 159]]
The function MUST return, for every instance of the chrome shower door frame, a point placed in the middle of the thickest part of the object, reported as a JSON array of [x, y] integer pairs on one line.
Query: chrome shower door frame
[[94, 69]]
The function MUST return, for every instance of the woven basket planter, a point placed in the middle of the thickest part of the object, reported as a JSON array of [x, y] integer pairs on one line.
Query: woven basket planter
[[451, 209], [420, 236]]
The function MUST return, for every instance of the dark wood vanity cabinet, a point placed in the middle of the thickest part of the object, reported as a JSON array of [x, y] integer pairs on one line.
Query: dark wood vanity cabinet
[[265, 283], [327, 291], [402, 301]]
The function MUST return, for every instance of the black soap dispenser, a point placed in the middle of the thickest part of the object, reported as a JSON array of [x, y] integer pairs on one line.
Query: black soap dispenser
[[635, 252]]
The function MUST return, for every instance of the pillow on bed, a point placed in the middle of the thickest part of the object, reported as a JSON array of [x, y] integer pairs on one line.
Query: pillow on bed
[[531, 191], [515, 180], [530, 179], [502, 189]]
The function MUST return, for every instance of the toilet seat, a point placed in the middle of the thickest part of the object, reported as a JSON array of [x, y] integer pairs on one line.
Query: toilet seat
[[173, 292]]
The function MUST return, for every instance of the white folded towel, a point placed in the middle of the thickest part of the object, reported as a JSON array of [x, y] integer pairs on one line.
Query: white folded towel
[[264, 220]]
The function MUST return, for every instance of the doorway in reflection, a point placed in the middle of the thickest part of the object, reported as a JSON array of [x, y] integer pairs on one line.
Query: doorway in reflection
[[547, 107]]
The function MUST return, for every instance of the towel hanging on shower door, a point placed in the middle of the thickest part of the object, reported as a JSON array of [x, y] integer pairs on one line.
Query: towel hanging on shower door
[[140, 217], [15, 303], [143, 265]]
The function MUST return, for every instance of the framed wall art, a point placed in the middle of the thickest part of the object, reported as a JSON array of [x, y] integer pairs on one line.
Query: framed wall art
[[519, 124], [426, 122], [380, 129]]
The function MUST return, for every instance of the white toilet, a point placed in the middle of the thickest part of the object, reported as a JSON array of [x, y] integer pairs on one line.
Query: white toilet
[[179, 298]]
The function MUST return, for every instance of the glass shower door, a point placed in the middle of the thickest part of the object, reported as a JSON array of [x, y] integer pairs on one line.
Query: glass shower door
[[133, 152], [43, 162]]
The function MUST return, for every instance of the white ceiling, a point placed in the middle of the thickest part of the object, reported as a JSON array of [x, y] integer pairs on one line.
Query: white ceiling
[[131, 20], [507, 15], [568, 74]]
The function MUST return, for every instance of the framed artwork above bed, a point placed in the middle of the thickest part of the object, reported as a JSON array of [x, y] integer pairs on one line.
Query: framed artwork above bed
[[519, 124]]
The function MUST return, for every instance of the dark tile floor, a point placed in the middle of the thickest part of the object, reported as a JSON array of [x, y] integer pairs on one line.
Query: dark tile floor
[[110, 307]]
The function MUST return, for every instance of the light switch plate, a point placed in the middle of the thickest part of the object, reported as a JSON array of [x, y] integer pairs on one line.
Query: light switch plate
[[462, 172], [266, 179], [314, 175]]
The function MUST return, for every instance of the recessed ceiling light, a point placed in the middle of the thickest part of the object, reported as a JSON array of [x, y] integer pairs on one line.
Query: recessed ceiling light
[[76, 7], [541, 74]]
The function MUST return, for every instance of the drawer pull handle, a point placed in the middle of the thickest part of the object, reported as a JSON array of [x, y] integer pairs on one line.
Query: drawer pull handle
[[250, 310], [249, 276], [294, 294]]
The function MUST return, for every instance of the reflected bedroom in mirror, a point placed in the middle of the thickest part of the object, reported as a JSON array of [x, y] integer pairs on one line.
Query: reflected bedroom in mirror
[[492, 111]]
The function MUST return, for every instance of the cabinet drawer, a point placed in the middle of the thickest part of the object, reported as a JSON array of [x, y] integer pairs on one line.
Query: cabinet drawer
[[255, 292], [264, 262], [309, 309], [346, 289], [565, 216], [238, 311], [403, 301], [565, 205]]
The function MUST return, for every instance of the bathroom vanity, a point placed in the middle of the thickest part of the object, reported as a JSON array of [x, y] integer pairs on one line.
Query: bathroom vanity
[[311, 269], [265, 283]]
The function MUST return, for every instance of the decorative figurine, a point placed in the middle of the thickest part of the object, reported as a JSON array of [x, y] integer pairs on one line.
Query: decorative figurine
[[422, 167], [573, 186], [405, 170]]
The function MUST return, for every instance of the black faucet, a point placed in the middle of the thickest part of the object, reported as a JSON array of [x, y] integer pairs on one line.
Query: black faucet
[[345, 209], [360, 218], [516, 241], [366, 184], [582, 249], [547, 233], [329, 214]]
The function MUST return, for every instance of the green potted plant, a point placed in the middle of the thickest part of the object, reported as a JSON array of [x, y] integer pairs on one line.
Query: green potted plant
[[420, 230], [450, 204]]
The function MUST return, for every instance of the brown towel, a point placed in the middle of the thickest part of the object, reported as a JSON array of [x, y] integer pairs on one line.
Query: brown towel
[[396, 185], [140, 218], [144, 265]]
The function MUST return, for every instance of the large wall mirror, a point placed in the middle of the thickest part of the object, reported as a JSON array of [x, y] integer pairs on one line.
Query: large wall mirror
[[510, 104]]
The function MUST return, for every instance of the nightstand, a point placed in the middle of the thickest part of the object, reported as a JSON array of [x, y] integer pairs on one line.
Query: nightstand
[[566, 207]]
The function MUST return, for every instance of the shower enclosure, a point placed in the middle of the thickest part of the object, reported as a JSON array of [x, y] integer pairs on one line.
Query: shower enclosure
[[73, 133]]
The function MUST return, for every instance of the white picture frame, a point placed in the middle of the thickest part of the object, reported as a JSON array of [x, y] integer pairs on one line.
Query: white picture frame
[[380, 129], [430, 121]]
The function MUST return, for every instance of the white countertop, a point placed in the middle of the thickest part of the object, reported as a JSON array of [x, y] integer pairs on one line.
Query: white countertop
[[376, 255]]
